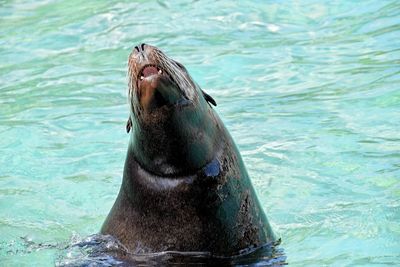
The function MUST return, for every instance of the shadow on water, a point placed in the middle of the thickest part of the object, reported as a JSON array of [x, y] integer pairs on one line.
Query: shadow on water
[[103, 250]]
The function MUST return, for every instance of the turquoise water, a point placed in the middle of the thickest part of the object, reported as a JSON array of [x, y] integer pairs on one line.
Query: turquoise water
[[309, 91]]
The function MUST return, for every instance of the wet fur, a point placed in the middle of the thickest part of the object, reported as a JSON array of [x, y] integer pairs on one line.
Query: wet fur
[[185, 187]]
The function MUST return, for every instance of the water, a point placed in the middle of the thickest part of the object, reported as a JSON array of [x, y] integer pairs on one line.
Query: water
[[108, 251], [309, 91]]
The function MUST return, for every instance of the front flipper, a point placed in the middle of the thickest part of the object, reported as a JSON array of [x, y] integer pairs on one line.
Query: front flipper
[[209, 99]]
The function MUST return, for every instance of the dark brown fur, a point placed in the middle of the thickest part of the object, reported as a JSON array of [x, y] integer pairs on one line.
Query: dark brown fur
[[185, 187]]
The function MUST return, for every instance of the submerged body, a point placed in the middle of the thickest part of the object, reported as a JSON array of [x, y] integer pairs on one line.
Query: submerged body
[[185, 187]]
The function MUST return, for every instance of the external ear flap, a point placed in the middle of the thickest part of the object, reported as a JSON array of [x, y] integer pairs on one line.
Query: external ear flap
[[209, 99], [128, 125]]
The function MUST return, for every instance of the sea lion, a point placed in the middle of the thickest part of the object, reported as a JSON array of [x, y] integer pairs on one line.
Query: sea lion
[[185, 186]]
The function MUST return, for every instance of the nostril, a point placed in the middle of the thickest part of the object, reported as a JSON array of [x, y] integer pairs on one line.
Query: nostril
[[142, 46], [137, 48]]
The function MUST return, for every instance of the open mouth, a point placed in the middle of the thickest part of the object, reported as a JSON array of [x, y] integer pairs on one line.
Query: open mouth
[[148, 71]]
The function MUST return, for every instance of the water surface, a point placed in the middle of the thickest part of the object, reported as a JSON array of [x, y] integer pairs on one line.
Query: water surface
[[309, 91]]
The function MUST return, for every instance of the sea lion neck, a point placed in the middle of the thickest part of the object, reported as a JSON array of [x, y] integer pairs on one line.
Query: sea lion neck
[[175, 141]]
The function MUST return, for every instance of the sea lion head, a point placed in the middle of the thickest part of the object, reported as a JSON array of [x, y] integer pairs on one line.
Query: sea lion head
[[173, 123], [157, 83]]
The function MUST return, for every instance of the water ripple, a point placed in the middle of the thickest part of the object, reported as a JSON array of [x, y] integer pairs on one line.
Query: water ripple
[[308, 91]]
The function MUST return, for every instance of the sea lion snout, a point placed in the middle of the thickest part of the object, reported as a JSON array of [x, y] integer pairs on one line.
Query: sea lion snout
[[156, 80]]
